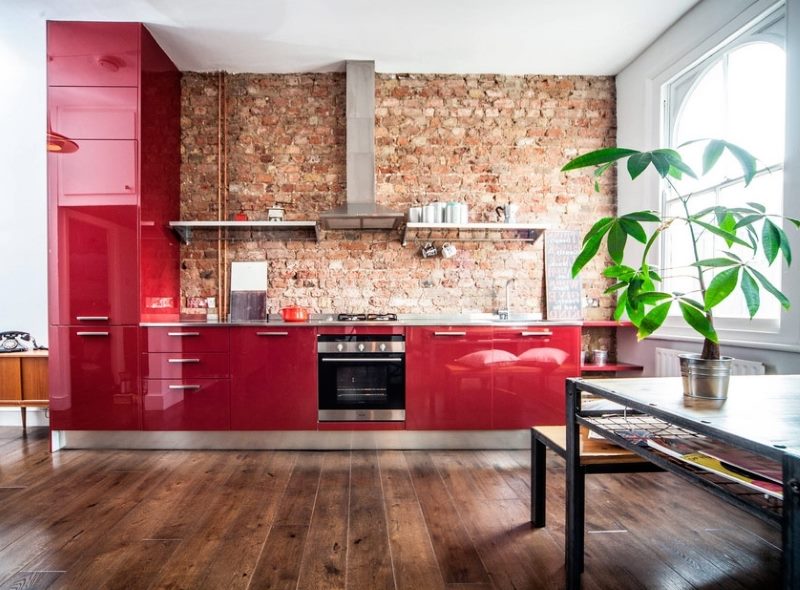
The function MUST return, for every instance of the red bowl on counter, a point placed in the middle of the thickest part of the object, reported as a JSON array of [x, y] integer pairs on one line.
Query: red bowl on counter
[[294, 314]]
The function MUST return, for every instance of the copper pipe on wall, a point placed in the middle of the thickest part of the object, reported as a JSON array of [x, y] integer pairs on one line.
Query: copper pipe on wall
[[225, 276], [219, 194]]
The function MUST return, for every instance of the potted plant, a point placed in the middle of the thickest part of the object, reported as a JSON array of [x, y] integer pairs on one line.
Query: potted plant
[[750, 227]]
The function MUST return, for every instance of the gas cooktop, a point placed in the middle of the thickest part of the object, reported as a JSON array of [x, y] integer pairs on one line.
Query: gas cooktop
[[366, 317]]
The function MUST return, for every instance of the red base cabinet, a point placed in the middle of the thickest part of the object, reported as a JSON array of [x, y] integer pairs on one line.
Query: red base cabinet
[[96, 385], [273, 378], [528, 387], [186, 404], [448, 378]]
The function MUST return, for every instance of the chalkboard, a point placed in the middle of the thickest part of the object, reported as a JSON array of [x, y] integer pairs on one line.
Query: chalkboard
[[562, 291]]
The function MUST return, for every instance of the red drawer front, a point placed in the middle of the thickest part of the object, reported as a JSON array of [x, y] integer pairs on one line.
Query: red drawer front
[[186, 404], [186, 339], [94, 112], [178, 365]]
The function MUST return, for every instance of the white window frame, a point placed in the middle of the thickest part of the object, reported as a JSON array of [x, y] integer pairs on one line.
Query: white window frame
[[735, 333]]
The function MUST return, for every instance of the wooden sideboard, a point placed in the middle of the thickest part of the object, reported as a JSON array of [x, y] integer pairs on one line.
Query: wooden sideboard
[[23, 380]]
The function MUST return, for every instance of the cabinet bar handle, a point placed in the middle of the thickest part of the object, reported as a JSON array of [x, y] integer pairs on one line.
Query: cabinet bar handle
[[92, 333], [449, 333], [183, 333], [272, 333], [185, 387], [92, 318], [326, 359], [539, 333], [183, 361]]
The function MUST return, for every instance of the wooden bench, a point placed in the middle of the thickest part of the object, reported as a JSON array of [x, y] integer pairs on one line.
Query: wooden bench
[[23, 381], [597, 456]]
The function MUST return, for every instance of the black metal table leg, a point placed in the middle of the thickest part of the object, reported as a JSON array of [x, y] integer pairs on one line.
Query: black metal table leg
[[575, 492], [791, 522], [538, 481]]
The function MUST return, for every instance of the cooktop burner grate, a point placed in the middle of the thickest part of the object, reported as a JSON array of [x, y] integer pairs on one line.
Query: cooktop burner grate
[[367, 317]]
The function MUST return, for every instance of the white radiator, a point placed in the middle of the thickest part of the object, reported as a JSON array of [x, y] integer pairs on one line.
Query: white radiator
[[667, 364]]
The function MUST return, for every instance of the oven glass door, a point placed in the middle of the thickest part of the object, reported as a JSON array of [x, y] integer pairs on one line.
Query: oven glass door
[[361, 381]]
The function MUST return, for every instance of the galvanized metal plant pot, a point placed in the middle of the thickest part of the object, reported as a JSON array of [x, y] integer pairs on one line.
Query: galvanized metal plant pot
[[705, 378]]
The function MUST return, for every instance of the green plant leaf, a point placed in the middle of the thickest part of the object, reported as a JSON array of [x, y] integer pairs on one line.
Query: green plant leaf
[[770, 240], [615, 287], [653, 319], [758, 207], [748, 220], [590, 248], [750, 291], [600, 227], [642, 216], [693, 302], [618, 271], [711, 154], [616, 243], [598, 157], [653, 297], [721, 286], [634, 229], [637, 163], [746, 160], [786, 249], [727, 236], [731, 255], [635, 312], [784, 301], [654, 276], [714, 262], [698, 321], [796, 222], [622, 300], [661, 163]]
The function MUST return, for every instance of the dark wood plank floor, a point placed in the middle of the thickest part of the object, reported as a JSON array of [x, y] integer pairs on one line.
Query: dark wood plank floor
[[358, 520]]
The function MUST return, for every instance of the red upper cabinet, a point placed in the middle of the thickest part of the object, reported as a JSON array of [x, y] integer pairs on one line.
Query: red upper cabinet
[[449, 378], [101, 172], [92, 54], [95, 250], [273, 378], [528, 385], [94, 112], [93, 376]]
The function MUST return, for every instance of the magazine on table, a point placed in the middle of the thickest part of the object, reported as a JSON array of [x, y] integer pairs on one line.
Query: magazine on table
[[749, 469]]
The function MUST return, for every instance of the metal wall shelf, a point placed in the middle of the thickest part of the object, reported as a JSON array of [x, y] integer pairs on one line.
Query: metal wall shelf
[[184, 229], [472, 232]]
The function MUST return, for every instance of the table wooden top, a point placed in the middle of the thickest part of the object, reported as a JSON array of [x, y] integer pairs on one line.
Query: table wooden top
[[26, 354], [762, 412]]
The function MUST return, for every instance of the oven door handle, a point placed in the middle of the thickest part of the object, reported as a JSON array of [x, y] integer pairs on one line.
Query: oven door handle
[[327, 359]]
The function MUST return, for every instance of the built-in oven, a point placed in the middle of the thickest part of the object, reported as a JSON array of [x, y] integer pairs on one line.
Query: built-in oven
[[361, 377]]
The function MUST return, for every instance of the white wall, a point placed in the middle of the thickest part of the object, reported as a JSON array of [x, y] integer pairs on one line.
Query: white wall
[[638, 123], [23, 196]]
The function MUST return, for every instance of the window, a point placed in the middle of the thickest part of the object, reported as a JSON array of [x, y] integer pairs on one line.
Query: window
[[737, 93]]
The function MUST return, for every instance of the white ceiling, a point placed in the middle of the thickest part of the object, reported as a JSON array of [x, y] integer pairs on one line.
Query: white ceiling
[[410, 36]]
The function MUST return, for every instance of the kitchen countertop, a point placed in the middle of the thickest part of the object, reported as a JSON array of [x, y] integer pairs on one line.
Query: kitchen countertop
[[317, 320]]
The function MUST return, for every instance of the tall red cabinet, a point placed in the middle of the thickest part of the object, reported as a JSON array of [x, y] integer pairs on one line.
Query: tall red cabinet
[[112, 260]]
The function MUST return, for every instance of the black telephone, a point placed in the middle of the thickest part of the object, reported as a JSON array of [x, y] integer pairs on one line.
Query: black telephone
[[18, 342]]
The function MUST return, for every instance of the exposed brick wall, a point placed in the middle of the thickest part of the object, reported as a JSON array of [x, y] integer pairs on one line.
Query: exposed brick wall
[[480, 139]]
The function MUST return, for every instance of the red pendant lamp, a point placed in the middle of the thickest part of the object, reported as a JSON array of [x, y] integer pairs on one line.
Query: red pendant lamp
[[60, 143]]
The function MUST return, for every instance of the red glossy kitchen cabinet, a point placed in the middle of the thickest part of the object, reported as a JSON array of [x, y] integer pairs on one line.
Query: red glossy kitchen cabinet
[[449, 378], [186, 404], [101, 172], [528, 384], [94, 112], [93, 250], [93, 378], [93, 54], [273, 378]]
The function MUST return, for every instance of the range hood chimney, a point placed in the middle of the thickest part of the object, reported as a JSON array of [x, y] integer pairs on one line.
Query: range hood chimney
[[360, 211]]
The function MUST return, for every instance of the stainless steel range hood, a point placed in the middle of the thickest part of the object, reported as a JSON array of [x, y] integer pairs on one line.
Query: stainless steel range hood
[[361, 211]]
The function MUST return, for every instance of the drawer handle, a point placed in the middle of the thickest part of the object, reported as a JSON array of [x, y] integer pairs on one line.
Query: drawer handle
[[92, 318], [183, 361], [92, 333], [272, 333], [539, 333], [326, 359], [183, 333], [185, 387], [449, 333]]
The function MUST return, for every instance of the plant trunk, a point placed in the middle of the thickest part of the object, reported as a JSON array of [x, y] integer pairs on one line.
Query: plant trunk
[[710, 350]]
